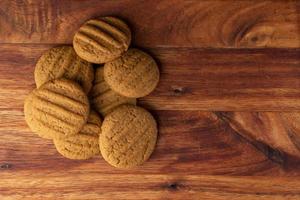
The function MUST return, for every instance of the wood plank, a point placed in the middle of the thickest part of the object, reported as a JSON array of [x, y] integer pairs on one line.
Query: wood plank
[[85, 185], [193, 140], [191, 79], [161, 23]]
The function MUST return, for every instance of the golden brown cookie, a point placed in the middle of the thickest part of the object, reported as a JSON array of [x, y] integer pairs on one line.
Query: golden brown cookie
[[56, 109], [103, 99], [128, 136], [135, 74], [83, 145], [62, 62], [102, 40]]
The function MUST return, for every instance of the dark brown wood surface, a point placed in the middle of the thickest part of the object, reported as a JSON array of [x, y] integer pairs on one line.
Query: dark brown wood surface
[[210, 23], [227, 105]]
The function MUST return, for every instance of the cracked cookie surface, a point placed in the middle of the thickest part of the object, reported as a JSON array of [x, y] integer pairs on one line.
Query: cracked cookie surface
[[102, 40], [62, 62], [104, 99], [128, 136], [135, 74], [56, 109], [83, 145]]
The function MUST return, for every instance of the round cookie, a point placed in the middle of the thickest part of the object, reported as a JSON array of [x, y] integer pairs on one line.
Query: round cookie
[[103, 99], [83, 145], [135, 74], [128, 136], [62, 62], [102, 40], [56, 109]]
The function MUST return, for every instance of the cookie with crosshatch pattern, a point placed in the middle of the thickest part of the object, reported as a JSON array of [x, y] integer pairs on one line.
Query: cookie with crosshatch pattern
[[128, 136], [135, 74], [56, 109], [102, 40]]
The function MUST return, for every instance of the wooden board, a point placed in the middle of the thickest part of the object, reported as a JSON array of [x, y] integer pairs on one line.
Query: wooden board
[[210, 23], [227, 105], [193, 79]]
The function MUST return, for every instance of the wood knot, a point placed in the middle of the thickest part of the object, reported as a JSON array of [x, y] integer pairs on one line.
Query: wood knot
[[173, 186], [5, 166], [257, 36], [178, 91]]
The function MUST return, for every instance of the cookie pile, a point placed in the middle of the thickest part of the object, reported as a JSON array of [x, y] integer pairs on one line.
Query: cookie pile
[[99, 76]]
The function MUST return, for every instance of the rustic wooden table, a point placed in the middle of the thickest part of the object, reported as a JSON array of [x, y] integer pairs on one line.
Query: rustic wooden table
[[227, 103]]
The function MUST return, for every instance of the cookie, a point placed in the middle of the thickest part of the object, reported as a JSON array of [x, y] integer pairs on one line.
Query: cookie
[[135, 74], [56, 109], [128, 136], [83, 145], [62, 62], [102, 40], [103, 99]]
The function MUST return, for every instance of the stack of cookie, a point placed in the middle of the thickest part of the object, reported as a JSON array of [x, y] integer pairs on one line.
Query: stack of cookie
[[100, 76]]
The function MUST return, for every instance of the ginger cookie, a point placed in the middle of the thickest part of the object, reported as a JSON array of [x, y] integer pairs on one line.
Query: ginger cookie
[[135, 74], [56, 109], [128, 136], [62, 62], [102, 40], [83, 145], [103, 99]]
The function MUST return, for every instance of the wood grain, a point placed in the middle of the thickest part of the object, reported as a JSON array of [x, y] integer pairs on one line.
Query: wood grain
[[201, 142], [227, 80], [279, 130], [193, 145], [227, 104], [191, 79], [87, 185], [209, 23]]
